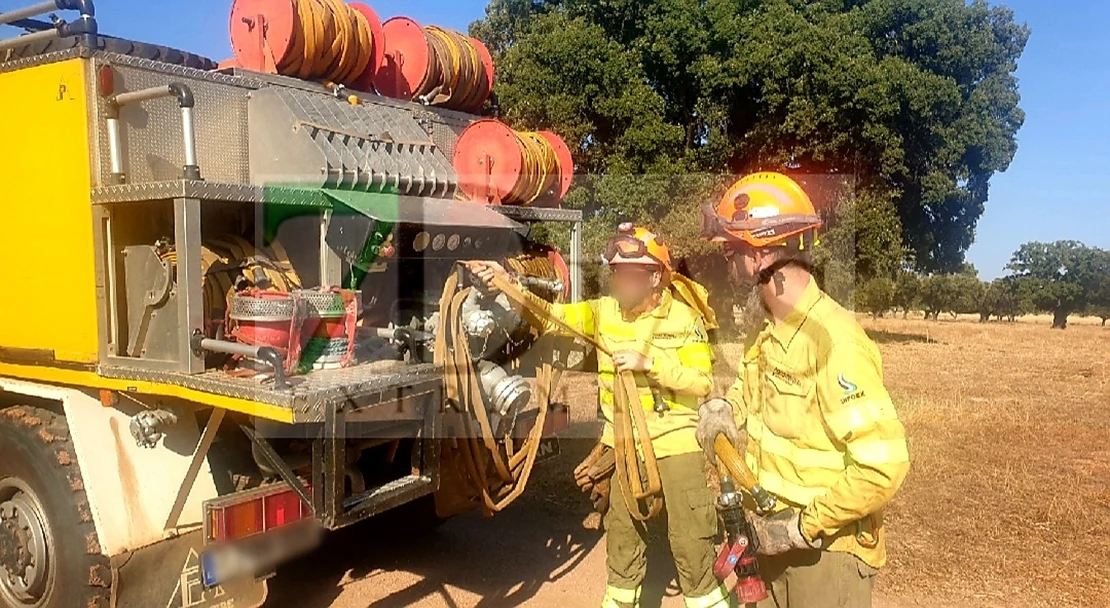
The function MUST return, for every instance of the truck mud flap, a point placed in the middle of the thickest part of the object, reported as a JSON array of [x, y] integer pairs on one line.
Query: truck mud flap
[[167, 574]]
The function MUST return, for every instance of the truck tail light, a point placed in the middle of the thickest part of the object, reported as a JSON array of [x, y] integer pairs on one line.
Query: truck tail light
[[246, 514]]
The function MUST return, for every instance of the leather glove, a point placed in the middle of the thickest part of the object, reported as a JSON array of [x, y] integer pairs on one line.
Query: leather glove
[[599, 495], [593, 475], [781, 532], [715, 417]]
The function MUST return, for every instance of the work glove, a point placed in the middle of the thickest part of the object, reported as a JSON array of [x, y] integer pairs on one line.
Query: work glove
[[781, 532], [714, 418], [487, 271], [593, 476], [599, 495]]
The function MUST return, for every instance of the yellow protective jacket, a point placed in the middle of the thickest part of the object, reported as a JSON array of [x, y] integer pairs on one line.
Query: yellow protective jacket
[[673, 335], [823, 434]]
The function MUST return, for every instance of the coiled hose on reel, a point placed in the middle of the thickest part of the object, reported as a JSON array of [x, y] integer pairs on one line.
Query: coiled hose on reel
[[308, 39], [456, 76], [330, 40]]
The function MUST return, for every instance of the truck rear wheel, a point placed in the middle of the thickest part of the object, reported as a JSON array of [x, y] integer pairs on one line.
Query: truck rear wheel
[[49, 552]]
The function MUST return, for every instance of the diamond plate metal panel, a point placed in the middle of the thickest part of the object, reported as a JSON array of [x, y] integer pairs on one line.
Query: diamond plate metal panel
[[357, 386], [207, 191], [538, 214], [328, 142], [27, 62], [152, 140], [444, 127]]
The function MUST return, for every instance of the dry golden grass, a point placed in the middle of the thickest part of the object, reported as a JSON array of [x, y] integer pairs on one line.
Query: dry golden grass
[[1009, 429], [1009, 490]]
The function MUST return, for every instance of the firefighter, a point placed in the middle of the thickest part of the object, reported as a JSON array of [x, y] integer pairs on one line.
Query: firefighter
[[822, 434], [654, 334]]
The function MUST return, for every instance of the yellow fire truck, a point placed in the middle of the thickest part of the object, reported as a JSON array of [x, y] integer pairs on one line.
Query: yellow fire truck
[[221, 305]]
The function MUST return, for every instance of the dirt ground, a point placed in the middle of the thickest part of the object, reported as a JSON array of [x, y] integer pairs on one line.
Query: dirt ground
[[1005, 504]]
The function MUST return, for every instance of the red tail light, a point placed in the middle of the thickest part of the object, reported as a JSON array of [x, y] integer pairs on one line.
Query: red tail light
[[245, 514]]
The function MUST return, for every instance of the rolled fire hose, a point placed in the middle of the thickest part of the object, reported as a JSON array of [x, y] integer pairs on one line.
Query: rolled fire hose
[[540, 170], [330, 41], [626, 413], [511, 469], [456, 76]]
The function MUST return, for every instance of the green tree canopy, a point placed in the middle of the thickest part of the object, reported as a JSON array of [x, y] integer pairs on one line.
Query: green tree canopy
[[907, 290], [914, 99], [1064, 276], [876, 296]]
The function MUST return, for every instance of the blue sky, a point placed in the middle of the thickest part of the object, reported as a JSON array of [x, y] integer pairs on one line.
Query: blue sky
[[1054, 189]]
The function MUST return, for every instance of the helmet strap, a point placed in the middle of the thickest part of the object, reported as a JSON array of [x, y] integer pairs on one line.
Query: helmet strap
[[774, 271]]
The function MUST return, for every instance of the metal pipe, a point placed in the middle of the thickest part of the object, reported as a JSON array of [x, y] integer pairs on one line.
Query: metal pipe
[[32, 25], [387, 333], [131, 97], [31, 11], [576, 262], [85, 7], [265, 354], [113, 310], [186, 101], [114, 152], [28, 39], [191, 170]]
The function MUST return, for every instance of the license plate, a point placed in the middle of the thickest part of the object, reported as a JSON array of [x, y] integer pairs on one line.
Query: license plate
[[258, 554], [548, 449]]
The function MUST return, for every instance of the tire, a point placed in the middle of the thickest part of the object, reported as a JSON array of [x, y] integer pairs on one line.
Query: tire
[[41, 489]]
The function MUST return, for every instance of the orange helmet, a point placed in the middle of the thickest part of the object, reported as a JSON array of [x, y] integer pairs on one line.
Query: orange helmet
[[762, 210], [637, 245]]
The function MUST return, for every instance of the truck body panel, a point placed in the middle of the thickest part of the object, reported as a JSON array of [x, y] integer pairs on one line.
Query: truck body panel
[[44, 166]]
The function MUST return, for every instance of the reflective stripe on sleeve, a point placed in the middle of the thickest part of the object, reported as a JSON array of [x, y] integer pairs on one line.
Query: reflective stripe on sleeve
[[775, 484], [843, 421], [879, 451]]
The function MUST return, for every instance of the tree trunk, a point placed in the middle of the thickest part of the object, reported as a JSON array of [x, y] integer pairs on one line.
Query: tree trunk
[[984, 317], [906, 315], [1060, 319], [1104, 321]]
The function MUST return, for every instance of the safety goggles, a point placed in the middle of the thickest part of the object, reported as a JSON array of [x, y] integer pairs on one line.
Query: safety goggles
[[627, 247], [713, 226]]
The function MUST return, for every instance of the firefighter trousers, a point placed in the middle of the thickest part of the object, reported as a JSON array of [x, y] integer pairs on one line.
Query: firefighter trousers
[[816, 579], [691, 527]]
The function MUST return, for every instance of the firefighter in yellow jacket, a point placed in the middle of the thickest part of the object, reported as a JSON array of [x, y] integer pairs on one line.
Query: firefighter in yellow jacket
[[663, 341], [822, 434]]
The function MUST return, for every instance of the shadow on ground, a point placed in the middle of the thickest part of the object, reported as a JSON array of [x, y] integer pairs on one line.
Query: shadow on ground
[[504, 559], [891, 337]]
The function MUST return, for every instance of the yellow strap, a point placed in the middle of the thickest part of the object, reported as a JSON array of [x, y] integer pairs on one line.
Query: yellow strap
[[694, 295]]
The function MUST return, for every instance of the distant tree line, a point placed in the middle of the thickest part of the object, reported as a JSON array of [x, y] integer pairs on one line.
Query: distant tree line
[[1062, 278]]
